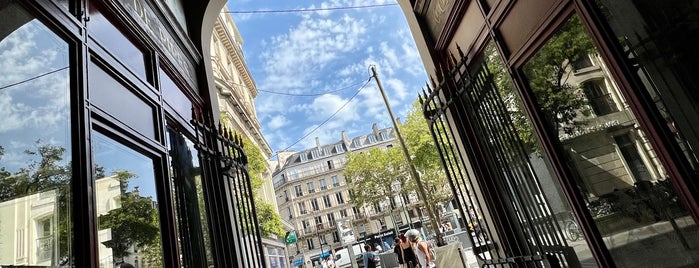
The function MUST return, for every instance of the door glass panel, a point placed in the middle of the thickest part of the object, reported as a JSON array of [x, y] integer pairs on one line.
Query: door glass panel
[[566, 232], [35, 143], [189, 199], [659, 40], [126, 205], [616, 169]]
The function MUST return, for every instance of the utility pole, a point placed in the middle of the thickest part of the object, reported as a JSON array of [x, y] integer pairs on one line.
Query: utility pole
[[413, 172]]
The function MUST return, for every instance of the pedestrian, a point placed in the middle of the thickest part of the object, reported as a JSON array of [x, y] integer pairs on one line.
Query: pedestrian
[[406, 256], [420, 248], [369, 258], [386, 247]]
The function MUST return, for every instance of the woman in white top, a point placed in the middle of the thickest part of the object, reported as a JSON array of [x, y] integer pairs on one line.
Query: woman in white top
[[420, 249]]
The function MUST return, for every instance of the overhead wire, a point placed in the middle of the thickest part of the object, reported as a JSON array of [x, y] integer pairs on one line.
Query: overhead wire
[[308, 10], [32, 78], [328, 119]]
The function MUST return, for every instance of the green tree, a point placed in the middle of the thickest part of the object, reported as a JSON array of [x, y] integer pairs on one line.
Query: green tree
[[373, 175], [267, 218], [548, 73], [134, 223]]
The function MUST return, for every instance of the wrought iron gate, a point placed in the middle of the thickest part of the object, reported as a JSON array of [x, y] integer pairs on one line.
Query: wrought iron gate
[[233, 228], [490, 173]]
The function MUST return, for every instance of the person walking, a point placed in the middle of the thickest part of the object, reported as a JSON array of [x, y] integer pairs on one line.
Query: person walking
[[406, 256], [421, 249], [369, 257]]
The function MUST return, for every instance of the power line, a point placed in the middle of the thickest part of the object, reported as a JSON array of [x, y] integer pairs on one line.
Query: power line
[[310, 95], [33, 77], [328, 119], [307, 10]]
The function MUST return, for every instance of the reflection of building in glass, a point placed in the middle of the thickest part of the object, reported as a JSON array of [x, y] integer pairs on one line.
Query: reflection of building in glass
[[145, 74], [558, 106], [30, 237]]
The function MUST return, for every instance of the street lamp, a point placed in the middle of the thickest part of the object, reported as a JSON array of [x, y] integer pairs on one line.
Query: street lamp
[[393, 219]]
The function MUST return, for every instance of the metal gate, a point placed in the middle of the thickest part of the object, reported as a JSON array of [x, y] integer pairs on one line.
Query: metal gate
[[233, 228], [490, 173]]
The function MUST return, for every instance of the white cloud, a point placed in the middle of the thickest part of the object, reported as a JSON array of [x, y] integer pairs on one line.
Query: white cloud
[[277, 121]]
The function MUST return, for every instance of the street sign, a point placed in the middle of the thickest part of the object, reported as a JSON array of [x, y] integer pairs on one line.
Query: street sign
[[298, 262], [290, 237]]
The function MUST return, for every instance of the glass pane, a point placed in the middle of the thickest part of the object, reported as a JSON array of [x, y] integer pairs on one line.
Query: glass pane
[[126, 205], [189, 199], [35, 143], [617, 170], [563, 230], [116, 42], [659, 40], [173, 96]]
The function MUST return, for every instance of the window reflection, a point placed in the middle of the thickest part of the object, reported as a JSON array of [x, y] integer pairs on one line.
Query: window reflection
[[116, 42], [626, 188], [35, 144], [126, 205], [659, 39], [189, 199]]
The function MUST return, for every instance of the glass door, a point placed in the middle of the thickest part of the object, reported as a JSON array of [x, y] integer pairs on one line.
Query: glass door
[[615, 168]]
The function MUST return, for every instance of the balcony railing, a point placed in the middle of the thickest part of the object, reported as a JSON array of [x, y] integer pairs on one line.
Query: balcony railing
[[44, 248]]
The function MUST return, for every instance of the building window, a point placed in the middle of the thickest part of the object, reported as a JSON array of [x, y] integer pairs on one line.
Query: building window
[[327, 151], [302, 208], [336, 237], [343, 213], [389, 146], [335, 180], [340, 200], [372, 139], [326, 201], [384, 136], [310, 187], [323, 184], [331, 219], [297, 189], [314, 204], [582, 63], [330, 165], [36, 93], [309, 242], [315, 154], [339, 148], [356, 143], [304, 157], [382, 222], [633, 159], [599, 98]]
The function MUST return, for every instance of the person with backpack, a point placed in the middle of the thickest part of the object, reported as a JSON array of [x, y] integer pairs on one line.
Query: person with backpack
[[422, 250]]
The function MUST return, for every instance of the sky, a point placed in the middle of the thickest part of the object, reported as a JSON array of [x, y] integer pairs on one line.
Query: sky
[[327, 54]]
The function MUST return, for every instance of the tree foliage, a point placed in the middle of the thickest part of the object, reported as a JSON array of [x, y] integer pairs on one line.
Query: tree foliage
[[267, 217], [133, 223], [374, 174], [371, 175], [549, 71]]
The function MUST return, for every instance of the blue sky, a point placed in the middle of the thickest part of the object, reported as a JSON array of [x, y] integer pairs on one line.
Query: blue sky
[[323, 52]]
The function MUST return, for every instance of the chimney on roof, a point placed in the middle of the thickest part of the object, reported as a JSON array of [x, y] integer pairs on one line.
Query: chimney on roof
[[318, 143]]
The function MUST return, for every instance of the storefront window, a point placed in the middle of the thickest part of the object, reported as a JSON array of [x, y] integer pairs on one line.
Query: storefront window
[[116, 42], [658, 38], [617, 170], [189, 199], [126, 205], [35, 143]]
